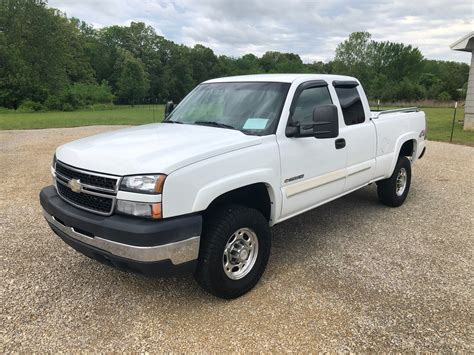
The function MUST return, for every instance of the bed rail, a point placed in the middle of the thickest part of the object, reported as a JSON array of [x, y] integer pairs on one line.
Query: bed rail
[[377, 114]]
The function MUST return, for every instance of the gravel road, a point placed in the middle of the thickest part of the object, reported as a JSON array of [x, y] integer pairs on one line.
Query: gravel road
[[352, 275]]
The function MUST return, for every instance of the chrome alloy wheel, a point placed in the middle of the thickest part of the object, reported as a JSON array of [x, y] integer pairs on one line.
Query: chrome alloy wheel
[[401, 182], [240, 253]]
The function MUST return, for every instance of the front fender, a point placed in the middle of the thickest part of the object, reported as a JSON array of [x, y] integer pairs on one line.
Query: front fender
[[192, 189], [208, 193]]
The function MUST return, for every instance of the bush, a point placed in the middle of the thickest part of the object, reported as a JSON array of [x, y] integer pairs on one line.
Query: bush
[[407, 90], [80, 95], [30, 106], [53, 103], [444, 96], [6, 110], [100, 107], [67, 107]]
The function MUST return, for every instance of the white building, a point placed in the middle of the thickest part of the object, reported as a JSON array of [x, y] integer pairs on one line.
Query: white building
[[466, 44]]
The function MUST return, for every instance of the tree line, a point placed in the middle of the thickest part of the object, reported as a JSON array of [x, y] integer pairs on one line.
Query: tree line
[[50, 61]]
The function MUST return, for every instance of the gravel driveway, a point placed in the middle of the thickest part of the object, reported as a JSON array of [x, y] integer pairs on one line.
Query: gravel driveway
[[350, 275]]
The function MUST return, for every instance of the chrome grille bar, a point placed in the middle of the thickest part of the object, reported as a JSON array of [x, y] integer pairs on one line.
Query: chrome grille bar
[[89, 194]]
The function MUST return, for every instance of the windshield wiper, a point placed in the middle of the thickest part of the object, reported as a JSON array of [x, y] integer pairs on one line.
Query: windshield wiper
[[214, 124], [171, 121]]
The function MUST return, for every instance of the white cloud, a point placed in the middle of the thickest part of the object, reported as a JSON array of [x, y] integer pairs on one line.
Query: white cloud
[[311, 29]]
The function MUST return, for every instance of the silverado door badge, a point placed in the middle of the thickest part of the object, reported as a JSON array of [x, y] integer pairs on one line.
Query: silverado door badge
[[294, 178]]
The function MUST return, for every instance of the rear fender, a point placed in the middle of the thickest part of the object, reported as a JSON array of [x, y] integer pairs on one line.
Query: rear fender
[[398, 146]]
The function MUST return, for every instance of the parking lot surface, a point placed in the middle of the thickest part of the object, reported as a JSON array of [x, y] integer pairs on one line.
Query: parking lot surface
[[351, 275]]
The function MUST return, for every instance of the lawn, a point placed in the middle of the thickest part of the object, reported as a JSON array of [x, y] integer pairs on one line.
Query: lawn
[[115, 115], [439, 120]]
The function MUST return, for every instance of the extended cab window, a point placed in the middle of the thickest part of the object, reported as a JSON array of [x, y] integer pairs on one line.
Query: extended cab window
[[307, 100], [351, 105]]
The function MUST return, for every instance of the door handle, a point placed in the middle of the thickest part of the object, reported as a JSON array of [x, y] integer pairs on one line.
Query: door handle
[[340, 143]]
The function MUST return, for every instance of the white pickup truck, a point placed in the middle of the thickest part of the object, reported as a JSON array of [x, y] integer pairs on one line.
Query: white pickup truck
[[201, 190]]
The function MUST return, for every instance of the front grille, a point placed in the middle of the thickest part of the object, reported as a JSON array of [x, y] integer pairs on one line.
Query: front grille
[[91, 202], [86, 178], [97, 191]]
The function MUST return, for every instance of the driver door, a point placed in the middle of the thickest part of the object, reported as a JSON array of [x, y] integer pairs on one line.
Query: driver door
[[313, 170]]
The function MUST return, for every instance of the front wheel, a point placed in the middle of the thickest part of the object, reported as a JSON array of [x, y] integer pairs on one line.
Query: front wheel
[[235, 247], [394, 190]]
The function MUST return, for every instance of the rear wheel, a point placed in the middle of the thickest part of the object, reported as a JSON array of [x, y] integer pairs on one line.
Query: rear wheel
[[394, 190], [235, 247]]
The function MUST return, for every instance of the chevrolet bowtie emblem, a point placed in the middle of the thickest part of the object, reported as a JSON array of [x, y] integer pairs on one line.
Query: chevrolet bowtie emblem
[[75, 185]]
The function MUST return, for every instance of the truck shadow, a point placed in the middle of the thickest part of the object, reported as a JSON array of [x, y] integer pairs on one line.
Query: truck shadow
[[303, 235], [323, 222]]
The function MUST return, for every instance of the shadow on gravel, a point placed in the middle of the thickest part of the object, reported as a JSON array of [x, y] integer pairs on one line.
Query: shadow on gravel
[[293, 240]]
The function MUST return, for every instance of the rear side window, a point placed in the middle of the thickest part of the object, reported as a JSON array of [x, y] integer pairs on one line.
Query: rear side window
[[307, 100], [351, 105]]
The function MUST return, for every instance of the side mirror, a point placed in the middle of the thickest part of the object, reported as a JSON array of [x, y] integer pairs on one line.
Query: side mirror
[[169, 107], [325, 124], [325, 121]]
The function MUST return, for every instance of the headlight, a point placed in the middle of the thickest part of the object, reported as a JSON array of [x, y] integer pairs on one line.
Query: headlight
[[148, 184], [139, 209]]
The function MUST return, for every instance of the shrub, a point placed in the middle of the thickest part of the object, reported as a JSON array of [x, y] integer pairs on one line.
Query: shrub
[[30, 106], [80, 95], [407, 90], [67, 107], [100, 107], [444, 96], [53, 103]]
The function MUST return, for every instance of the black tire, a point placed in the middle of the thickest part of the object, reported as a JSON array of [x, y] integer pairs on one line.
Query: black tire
[[387, 189], [219, 226]]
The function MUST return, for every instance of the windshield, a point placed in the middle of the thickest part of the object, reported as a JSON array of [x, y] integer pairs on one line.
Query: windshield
[[250, 107]]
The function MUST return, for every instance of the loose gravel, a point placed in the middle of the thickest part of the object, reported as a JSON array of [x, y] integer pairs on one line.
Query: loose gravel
[[352, 275]]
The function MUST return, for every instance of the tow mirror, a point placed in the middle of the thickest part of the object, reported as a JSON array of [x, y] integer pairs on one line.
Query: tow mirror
[[169, 107], [325, 121], [325, 124]]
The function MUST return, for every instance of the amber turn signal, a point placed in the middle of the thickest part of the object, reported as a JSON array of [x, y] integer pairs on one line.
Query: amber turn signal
[[159, 184], [156, 211]]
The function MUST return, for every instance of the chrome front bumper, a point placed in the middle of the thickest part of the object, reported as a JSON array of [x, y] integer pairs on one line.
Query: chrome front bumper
[[178, 252]]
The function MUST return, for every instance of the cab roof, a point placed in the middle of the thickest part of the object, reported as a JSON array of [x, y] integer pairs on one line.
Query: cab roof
[[280, 78]]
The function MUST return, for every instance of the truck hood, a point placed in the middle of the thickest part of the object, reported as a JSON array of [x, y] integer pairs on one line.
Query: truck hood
[[153, 148]]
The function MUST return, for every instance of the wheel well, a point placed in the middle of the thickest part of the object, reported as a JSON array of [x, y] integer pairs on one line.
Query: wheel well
[[253, 196], [407, 149]]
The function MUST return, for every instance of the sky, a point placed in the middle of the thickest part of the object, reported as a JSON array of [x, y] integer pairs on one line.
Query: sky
[[311, 29]]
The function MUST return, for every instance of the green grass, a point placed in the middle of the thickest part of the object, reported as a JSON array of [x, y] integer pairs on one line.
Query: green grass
[[439, 120], [115, 115]]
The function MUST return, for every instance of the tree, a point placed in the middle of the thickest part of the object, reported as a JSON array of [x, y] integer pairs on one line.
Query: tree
[[41, 52], [396, 61], [179, 75], [50, 60], [132, 79], [248, 64], [448, 77], [352, 56], [354, 50], [205, 64], [276, 62]]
